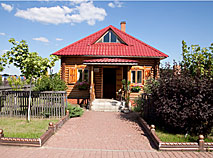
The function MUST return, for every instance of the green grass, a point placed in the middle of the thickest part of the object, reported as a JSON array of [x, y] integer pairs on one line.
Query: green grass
[[169, 137], [20, 128]]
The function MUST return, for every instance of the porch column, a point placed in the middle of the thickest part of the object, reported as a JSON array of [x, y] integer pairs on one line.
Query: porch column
[[92, 75], [62, 69], [92, 88]]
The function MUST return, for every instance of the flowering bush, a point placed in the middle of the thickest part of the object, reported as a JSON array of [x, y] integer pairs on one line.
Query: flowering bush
[[82, 85], [136, 88]]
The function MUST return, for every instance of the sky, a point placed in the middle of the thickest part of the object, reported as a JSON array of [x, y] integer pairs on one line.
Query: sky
[[48, 26]]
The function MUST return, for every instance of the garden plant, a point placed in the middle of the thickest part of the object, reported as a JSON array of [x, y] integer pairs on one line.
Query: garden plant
[[181, 98]]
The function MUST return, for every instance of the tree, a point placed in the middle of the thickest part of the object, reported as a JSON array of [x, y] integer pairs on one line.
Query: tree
[[199, 61], [3, 62], [30, 64]]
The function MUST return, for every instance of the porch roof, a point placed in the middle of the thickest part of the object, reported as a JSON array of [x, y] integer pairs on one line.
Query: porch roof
[[110, 61]]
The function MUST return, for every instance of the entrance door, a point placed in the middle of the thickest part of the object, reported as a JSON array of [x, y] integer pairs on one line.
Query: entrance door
[[109, 83]]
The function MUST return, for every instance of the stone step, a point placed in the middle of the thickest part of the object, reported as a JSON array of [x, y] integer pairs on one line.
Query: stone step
[[106, 105]]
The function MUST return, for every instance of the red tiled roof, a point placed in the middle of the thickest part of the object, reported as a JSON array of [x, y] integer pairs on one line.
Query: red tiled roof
[[110, 60], [132, 47]]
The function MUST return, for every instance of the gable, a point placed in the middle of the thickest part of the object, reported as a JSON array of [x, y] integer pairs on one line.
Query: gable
[[110, 37]]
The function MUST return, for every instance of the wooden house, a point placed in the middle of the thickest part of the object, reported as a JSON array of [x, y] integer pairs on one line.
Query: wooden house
[[104, 59]]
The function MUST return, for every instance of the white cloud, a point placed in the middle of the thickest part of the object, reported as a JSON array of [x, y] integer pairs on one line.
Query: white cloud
[[41, 39], [58, 39], [111, 5], [52, 15], [2, 34], [116, 3], [7, 7], [85, 11], [88, 12]]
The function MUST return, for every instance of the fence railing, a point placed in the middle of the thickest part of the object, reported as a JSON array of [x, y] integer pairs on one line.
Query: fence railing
[[43, 104]]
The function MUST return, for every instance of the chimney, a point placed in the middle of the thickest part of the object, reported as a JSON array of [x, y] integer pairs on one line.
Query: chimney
[[123, 26]]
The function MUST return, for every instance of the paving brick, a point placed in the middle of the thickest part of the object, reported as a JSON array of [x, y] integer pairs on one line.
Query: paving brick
[[97, 135]]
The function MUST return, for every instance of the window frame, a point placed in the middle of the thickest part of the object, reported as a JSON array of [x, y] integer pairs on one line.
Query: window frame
[[101, 40], [136, 76], [83, 74]]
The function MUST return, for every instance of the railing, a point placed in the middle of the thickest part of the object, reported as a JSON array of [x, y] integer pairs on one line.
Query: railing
[[43, 104]]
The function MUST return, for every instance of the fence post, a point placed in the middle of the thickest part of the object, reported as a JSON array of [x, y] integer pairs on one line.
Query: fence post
[[1, 133], [201, 142]]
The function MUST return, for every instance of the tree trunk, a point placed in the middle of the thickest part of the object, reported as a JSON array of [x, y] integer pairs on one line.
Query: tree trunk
[[28, 113]]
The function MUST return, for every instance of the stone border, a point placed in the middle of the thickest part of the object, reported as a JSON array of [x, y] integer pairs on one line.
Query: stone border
[[174, 146], [34, 142]]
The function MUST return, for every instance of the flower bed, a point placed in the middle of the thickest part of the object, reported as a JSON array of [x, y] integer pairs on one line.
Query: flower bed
[[136, 88], [82, 85]]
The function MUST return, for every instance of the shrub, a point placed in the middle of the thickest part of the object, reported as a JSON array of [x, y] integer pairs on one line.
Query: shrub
[[74, 111], [50, 83], [183, 103], [149, 84], [15, 83]]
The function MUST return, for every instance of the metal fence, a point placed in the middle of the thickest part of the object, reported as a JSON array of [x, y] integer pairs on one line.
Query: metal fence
[[43, 104]]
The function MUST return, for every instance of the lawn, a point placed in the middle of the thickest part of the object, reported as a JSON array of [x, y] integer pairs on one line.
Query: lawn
[[170, 137], [20, 128]]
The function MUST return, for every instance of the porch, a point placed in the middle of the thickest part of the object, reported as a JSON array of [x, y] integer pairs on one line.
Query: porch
[[106, 77]]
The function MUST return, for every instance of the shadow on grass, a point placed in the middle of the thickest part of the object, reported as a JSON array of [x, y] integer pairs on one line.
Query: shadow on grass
[[131, 117]]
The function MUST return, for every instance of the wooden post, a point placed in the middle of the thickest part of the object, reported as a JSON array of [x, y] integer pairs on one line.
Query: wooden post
[[1, 133], [92, 75], [201, 142], [62, 69]]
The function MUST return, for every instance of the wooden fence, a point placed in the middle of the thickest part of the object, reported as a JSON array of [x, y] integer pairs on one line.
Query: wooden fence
[[43, 104]]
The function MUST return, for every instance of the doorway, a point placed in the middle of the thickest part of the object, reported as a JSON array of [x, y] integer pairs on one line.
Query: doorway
[[109, 83]]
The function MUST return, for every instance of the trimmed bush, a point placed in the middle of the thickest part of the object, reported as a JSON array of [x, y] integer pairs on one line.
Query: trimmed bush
[[74, 111]]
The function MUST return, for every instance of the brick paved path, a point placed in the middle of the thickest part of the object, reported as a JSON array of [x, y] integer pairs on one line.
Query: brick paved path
[[96, 135]]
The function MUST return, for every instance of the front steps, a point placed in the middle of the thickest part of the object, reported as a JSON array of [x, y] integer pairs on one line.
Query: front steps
[[106, 105]]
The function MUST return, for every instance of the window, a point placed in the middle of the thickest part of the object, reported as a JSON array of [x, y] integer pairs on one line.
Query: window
[[109, 37], [136, 76], [139, 76], [132, 76], [78, 74], [83, 75]]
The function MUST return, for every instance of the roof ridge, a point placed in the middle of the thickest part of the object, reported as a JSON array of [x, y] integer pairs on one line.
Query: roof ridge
[[158, 51], [80, 40]]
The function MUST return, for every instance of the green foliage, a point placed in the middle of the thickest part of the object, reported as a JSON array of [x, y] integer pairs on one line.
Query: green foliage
[[1, 80], [138, 103], [15, 83], [198, 61], [50, 83], [30, 64], [3, 63], [74, 111], [149, 84], [135, 88]]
